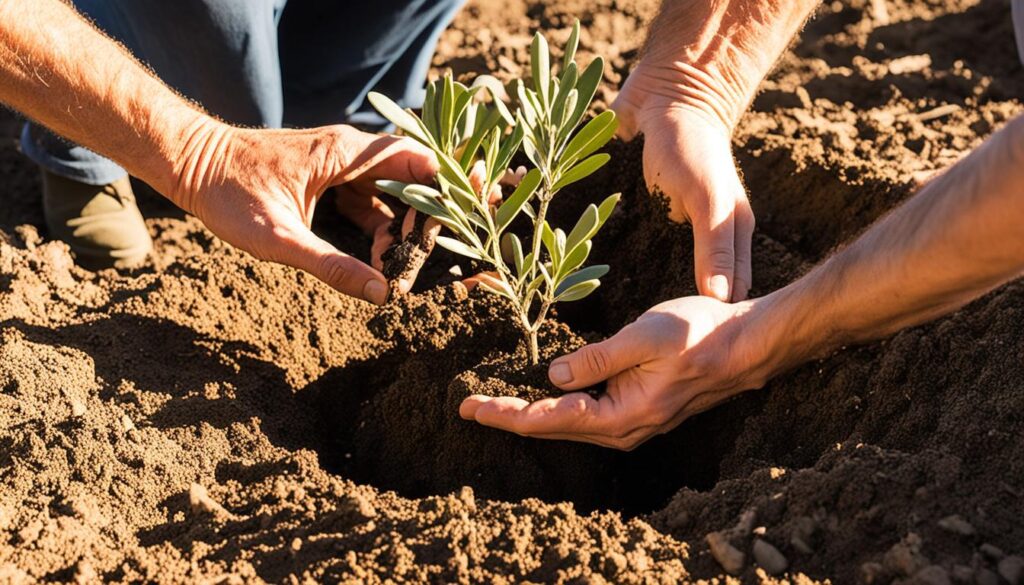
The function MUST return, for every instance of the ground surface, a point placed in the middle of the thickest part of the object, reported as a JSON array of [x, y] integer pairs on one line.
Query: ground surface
[[211, 418]]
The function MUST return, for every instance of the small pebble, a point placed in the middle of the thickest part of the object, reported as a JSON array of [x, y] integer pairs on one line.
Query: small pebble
[[127, 424], [956, 525], [201, 503], [455, 271], [991, 551], [296, 545], [77, 408], [932, 575], [731, 559], [84, 573], [769, 557], [1011, 568], [615, 563]]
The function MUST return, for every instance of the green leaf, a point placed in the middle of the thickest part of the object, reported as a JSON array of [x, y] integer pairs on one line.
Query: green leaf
[[423, 204], [578, 291], [447, 113], [559, 245], [514, 203], [399, 117], [393, 188], [584, 229], [480, 131], [573, 260], [451, 171], [540, 63], [461, 105], [589, 273], [586, 87], [571, 45], [502, 289], [458, 247], [492, 149], [528, 262], [512, 251], [567, 86], [604, 211], [582, 170], [591, 137], [563, 121], [547, 237], [423, 191], [429, 112]]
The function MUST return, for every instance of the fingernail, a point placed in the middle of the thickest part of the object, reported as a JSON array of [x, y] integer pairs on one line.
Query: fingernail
[[375, 291], [560, 373], [404, 286], [720, 287]]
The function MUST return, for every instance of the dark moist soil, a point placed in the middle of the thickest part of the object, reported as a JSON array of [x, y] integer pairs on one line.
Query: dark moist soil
[[211, 418]]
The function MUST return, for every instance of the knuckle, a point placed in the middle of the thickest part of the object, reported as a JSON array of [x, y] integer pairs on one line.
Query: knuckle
[[336, 273], [720, 258], [595, 359]]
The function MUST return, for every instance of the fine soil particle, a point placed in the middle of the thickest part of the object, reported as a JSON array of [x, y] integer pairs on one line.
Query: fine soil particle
[[210, 418]]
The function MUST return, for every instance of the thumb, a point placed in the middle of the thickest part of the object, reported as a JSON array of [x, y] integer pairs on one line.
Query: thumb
[[598, 362], [305, 251], [626, 114], [369, 156]]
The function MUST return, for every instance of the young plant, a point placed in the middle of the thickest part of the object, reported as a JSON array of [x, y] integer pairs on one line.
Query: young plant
[[466, 133]]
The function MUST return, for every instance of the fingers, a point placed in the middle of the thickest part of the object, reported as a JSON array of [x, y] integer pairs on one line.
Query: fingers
[[624, 112], [576, 414], [370, 157], [487, 279], [714, 235], [598, 362], [305, 251], [477, 177], [744, 228]]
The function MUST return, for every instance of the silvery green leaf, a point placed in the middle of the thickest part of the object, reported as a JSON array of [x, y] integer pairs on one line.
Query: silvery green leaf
[[584, 229], [573, 260], [589, 273], [399, 117], [451, 171], [566, 86], [582, 170], [559, 245], [480, 131], [393, 188], [547, 237], [604, 211], [578, 291], [528, 262], [423, 191], [512, 251], [429, 111], [591, 137], [586, 87], [540, 64], [514, 203], [458, 247], [491, 156], [544, 272], [563, 121], [423, 204], [571, 45], [447, 112]]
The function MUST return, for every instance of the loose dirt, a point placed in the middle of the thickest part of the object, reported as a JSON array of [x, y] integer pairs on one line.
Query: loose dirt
[[208, 417]]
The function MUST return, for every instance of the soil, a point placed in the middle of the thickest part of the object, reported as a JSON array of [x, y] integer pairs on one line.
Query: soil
[[208, 417]]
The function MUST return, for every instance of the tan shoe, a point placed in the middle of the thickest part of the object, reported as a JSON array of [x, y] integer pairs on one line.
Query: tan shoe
[[102, 224]]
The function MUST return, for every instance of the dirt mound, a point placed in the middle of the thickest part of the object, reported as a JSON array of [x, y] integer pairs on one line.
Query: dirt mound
[[211, 418]]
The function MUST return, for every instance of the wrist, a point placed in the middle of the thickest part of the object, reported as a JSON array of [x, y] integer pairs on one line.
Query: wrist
[[195, 145]]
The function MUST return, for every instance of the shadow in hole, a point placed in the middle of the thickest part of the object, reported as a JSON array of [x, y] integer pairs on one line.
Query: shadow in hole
[[161, 356]]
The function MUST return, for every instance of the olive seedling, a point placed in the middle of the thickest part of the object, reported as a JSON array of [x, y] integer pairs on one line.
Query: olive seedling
[[463, 131]]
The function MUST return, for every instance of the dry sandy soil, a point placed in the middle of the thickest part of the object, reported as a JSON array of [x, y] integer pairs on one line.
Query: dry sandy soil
[[209, 418]]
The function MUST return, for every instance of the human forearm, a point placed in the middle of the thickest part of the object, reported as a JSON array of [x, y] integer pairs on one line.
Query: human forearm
[[59, 70], [712, 54], [958, 238]]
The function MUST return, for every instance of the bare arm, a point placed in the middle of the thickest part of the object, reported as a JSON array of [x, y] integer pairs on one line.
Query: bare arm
[[256, 189], [958, 238], [703, 63]]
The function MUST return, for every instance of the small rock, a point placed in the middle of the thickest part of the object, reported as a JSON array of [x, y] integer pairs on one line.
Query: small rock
[[991, 551], [1011, 568], [468, 498], [84, 573], [745, 525], [731, 559], [956, 525], [932, 575], [296, 545], [78, 408], [126, 424], [769, 557], [962, 574], [455, 271], [201, 502], [905, 556]]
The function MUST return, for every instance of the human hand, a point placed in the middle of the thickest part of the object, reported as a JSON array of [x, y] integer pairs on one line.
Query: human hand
[[688, 157], [257, 189], [678, 359]]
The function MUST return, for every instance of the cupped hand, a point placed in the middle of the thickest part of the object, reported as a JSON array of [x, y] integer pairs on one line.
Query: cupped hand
[[678, 359], [257, 190], [688, 157]]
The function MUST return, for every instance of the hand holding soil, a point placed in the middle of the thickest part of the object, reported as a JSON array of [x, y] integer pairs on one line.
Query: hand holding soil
[[678, 359]]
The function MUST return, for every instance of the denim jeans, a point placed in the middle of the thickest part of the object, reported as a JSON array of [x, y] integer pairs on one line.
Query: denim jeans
[[1018, 25], [265, 63]]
